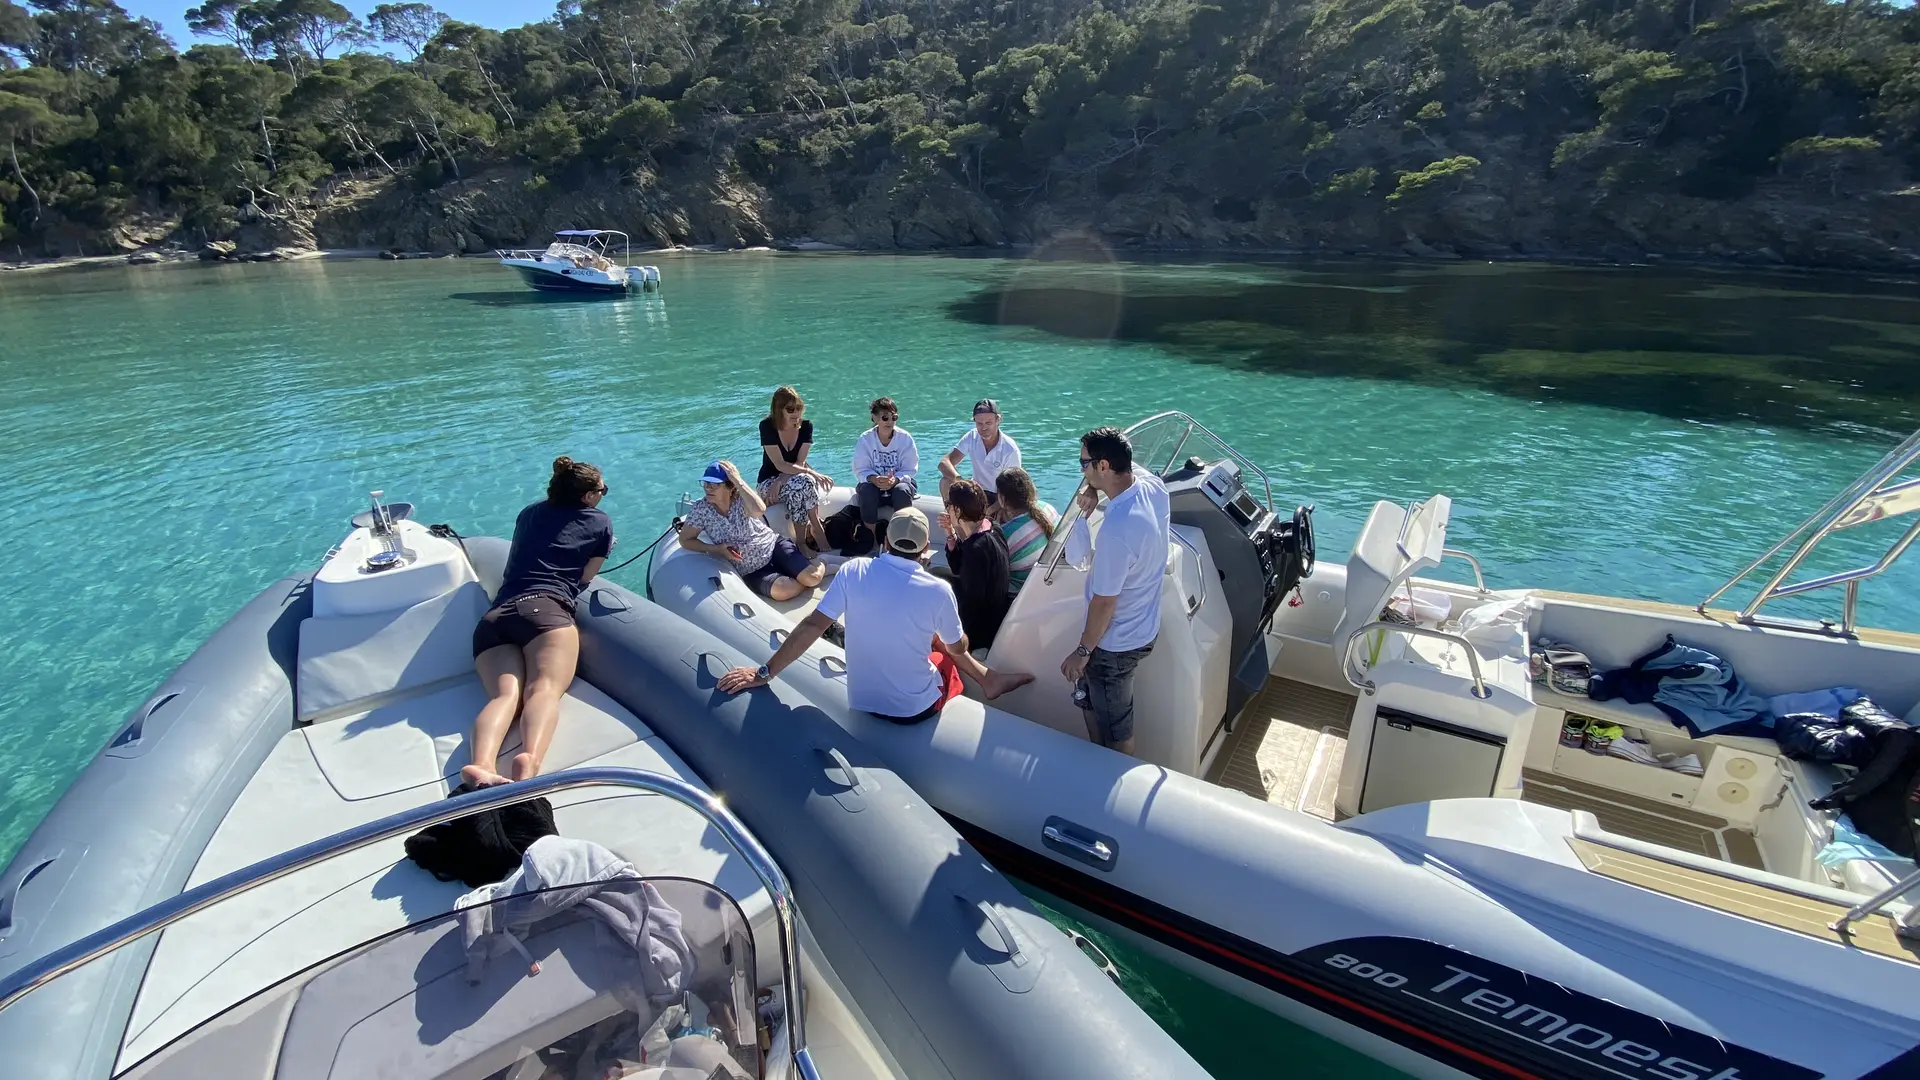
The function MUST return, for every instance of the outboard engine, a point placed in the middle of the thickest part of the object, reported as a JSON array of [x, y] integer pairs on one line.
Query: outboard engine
[[1261, 557]]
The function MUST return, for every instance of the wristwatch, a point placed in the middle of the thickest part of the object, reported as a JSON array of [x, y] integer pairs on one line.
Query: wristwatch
[[1082, 650], [762, 674]]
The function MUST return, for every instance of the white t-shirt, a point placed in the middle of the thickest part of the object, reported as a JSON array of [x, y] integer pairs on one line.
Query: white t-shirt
[[892, 609], [1129, 558], [987, 465]]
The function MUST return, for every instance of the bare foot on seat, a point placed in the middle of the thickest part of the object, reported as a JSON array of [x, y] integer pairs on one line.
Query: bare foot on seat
[[479, 777], [999, 682], [524, 767]]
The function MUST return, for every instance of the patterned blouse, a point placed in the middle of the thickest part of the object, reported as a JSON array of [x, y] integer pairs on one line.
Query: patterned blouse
[[750, 534]]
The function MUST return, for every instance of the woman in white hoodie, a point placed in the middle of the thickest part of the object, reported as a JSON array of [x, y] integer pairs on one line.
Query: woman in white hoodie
[[884, 461]]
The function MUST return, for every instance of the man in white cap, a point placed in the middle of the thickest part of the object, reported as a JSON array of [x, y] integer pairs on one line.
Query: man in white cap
[[906, 652], [988, 450]]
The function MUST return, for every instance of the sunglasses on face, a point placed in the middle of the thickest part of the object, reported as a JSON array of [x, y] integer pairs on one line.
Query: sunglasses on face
[[1086, 463], [601, 490], [796, 408], [886, 416]]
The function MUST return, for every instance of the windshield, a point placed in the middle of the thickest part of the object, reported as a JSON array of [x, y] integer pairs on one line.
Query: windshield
[[599, 980]]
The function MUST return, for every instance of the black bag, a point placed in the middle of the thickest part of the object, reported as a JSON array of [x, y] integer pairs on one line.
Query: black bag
[[482, 847], [845, 535]]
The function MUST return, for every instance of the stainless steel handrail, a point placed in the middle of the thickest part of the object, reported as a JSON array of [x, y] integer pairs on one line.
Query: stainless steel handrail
[[1844, 924], [1872, 497], [1200, 572], [1479, 579], [1473, 659], [199, 898]]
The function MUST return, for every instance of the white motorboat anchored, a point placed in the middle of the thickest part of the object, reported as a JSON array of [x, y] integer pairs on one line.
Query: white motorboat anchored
[[581, 261], [1354, 805]]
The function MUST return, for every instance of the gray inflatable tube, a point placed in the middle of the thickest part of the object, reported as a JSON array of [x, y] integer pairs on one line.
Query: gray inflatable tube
[[128, 832], [958, 973]]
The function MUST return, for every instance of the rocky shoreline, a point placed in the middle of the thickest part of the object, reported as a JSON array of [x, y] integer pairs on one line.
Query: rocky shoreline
[[1774, 228]]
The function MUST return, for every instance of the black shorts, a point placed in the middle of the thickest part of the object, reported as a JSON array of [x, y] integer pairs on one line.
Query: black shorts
[[519, 621], [787, 561]]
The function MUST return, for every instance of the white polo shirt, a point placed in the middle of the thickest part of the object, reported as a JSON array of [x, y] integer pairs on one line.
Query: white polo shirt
[[1129, 559], [892, 609], [987, 465]]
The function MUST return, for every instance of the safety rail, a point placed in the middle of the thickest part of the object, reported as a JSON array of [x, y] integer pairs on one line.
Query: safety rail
[[1473, 659], [1844, 924], [1479, 579], [199, 898], [1875, 496]]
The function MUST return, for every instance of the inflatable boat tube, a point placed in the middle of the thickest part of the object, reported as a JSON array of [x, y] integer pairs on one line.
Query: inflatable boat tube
[[128, 832], [1380, 932], [961, 977]]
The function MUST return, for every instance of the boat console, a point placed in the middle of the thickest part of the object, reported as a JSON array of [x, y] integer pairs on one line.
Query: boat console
[[1258, 556]]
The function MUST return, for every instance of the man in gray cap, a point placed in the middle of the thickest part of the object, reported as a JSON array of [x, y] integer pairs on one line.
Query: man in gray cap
[[906, 652], [989, 450]]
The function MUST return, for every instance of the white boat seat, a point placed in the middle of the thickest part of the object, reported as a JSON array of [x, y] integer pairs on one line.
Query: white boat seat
[[1650, 719]]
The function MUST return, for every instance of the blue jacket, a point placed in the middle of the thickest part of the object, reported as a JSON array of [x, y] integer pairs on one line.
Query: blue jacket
[[1695, 688]]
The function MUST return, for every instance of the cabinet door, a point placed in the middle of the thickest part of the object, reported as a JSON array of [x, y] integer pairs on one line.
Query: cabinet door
[[1414, 759]]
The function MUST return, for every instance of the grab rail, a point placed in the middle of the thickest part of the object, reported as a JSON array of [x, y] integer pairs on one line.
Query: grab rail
[[1473, 659], [1479, 579], [1875, 496], [1844, 924], [199, 898]]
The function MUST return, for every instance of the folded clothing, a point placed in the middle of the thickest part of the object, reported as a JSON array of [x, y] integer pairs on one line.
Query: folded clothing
[[484, 847]]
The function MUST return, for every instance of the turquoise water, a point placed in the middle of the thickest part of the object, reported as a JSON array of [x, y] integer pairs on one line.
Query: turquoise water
[[172, 439]]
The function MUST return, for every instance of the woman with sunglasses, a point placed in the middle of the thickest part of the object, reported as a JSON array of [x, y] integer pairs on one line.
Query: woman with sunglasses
[[884, 461], [526, 646], [785, 477]]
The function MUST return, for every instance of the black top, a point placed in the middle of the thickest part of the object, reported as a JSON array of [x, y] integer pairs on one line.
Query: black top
[[551, 547], [981, 575], [770, 436]]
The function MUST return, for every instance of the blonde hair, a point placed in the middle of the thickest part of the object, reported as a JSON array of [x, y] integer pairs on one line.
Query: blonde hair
[[782, 398]]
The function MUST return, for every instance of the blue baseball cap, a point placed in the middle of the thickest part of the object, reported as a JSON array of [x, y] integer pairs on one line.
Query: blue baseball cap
[[715, 474]]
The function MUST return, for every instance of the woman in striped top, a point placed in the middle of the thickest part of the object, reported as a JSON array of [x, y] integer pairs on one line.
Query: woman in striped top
[[1025, 521]]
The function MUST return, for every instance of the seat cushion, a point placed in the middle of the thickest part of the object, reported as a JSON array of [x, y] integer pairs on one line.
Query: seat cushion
[[348, 663]]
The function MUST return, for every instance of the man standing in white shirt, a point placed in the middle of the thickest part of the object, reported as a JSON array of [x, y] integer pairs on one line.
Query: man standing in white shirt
[[894, 611], [1123, 587], [988, 450]]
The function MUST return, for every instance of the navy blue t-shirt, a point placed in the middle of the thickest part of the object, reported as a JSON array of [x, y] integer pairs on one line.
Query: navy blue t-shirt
[[551, 547]]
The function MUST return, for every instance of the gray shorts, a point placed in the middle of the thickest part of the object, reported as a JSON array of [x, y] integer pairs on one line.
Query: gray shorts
[[1109, 683]]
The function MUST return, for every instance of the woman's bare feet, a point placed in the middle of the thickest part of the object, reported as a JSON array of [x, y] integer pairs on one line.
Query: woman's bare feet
[[999, 682], [479, 777], [524, 767]]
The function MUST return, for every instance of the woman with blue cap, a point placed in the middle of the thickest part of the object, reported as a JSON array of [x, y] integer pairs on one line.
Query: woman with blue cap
[[731, 517]]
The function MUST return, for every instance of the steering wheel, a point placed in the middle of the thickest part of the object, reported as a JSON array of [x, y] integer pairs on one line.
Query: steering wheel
[[1303, 539]]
